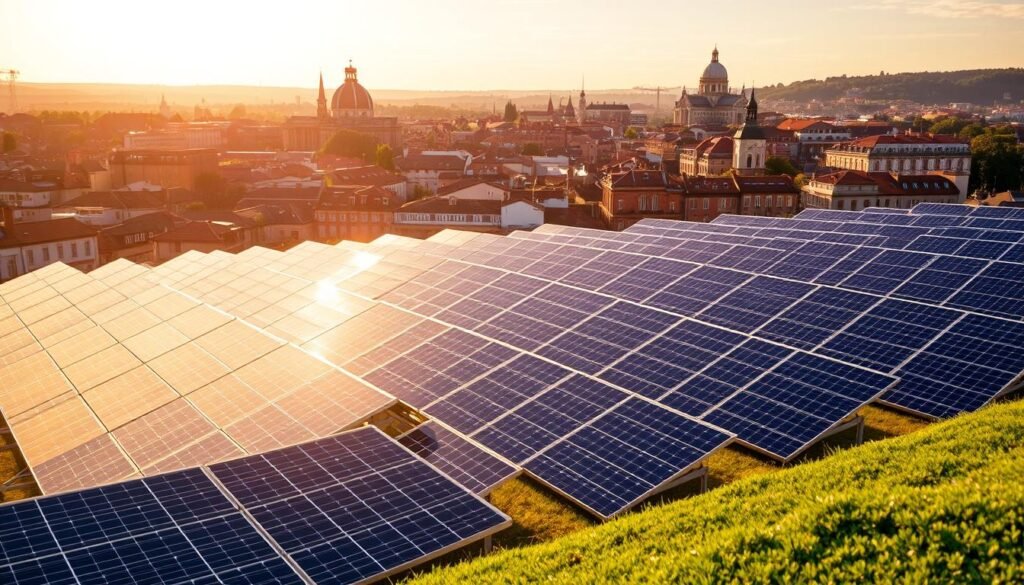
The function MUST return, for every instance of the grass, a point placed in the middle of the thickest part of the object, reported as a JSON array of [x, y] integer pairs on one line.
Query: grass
[[539, 515], [942, 504]]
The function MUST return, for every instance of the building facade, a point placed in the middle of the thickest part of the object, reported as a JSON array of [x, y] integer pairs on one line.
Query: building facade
[[713, 104], [167, 168], [351, 108], [906, 154], [856, 190]]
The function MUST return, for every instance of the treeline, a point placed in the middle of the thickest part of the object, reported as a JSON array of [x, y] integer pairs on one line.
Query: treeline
[[979, 86]]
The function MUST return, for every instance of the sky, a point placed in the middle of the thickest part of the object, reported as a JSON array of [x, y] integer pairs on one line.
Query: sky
[[498, 44]]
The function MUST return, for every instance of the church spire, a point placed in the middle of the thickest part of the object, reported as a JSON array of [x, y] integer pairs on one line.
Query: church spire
[[551, 105], [752, 109], [321, 100], [714, 54]]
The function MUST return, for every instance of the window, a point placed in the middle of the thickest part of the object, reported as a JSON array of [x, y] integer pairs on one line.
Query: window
[[757, 201], [767, 200], [30, 257], [618, 205], [707, 204], [60, 251], [88, 248], [46, 255], [74, 250], [839, 204]]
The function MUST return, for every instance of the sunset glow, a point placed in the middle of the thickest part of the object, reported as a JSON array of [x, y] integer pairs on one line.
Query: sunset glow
[[453, 45]]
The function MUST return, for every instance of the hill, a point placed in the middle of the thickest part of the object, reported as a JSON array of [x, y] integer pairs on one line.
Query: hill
[[979, 86], [943, 504]]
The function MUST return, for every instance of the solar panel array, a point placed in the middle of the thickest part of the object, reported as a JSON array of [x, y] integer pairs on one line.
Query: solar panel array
[[605, 365], [344, 509], [109, 376]]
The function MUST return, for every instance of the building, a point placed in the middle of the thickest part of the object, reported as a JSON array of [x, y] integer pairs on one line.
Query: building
[[919, 154], [749, 144], [25, 247], [627, 196], [855, 190], [618, 116], [30, 201], [167, 168], [369, 176], [705, 198], [713, 104], [133, 238], [281, 224], [426, 217], [432, 171], [813, 136], [107, 208], [204, 236], [351, 108], [476, 188], [712, 156], [356, 213], [768, 195]]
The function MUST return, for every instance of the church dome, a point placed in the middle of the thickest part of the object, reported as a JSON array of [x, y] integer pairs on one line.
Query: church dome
[[351, 99], [715, 70]]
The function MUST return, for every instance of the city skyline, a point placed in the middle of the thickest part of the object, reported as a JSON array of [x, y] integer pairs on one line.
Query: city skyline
[[448, 45]]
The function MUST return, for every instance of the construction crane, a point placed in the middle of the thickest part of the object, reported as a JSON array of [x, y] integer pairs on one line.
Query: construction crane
[[657, 90], [12, 77]]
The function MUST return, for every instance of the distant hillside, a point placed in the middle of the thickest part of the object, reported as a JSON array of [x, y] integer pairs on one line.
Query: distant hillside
[[940, 505], [978, 86]]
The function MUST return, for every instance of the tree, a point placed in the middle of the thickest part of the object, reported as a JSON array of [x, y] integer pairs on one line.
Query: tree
[[511, 112], [385, 157], [997, 161], [237, 112], [799, 181], [352, 144], [950, 126], [532, 149], [971, 131], [775, 165], [420, 192], [9, 142], [631, 133]]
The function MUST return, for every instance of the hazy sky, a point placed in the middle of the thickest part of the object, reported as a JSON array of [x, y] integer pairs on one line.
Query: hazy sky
[[498, 44]]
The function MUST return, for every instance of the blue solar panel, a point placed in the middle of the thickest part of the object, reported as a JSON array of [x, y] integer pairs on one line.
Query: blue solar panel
[[754, 303], [366, 506], [697, 290], [798, 401], [540, 422], [963, 369], [614, 462], [888, 334], [463, 460], [817, 317], [648, 277]]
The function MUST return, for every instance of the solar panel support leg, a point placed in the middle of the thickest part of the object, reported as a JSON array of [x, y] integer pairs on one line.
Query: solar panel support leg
[[860, 430], [488, 544]]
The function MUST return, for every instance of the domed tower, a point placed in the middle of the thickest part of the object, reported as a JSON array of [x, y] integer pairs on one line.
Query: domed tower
[[715, 79], [351, 99]]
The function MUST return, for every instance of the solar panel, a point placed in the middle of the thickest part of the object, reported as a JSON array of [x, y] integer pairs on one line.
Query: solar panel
[[458, 457], [344, 509]]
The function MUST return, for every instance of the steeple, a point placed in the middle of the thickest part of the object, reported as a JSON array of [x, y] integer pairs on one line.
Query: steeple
[[321, 100], [714, 54], [570, 111], [752, 109], [551, 105]]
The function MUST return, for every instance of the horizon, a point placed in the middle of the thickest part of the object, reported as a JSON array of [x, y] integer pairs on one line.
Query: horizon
[[570, 43]]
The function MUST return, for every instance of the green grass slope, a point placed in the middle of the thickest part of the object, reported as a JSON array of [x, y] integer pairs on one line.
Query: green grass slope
[[944, 504]]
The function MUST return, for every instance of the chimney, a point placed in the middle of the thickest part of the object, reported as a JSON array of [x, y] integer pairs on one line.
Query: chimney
[[8, 217]]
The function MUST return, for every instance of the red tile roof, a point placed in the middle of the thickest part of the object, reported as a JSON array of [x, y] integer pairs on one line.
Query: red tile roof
[[39, 232]]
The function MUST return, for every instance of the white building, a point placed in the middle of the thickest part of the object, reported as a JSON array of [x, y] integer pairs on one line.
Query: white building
[[25, 247], [906, 154]]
